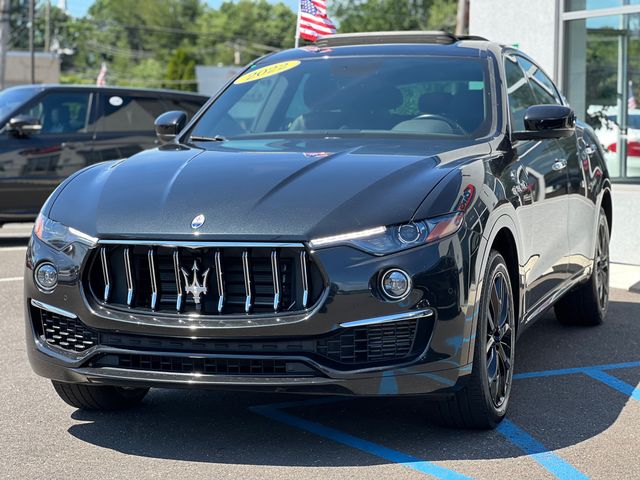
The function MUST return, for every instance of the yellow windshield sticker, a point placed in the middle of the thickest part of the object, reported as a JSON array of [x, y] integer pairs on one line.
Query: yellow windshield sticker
[[267, 71]]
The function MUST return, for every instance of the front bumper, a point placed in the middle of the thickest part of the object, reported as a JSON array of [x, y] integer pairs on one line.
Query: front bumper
[[242, 356]]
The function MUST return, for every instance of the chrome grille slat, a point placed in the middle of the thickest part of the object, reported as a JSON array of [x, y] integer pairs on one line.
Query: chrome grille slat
[[105, 273], [248, 302], [219, 280], [129, 275], [276, 280], [154, 281], [176, 268], [250, 278], [305, 279]]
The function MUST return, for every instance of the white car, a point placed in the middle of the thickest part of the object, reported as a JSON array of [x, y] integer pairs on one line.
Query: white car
[[608, 134]]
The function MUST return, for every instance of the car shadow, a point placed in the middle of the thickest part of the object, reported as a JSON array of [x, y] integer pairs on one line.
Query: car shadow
[[558, 411], [14, 242]]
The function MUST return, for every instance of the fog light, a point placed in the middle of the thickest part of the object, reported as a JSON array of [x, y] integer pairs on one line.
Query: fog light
[[46, 276], [396, 284]]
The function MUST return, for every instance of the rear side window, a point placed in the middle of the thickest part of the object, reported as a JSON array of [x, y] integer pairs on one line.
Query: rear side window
[[519, 91], [60, 112], [542, 86], [128, 113]]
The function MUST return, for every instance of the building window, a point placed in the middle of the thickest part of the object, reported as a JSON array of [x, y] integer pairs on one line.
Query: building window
[[601, 79]]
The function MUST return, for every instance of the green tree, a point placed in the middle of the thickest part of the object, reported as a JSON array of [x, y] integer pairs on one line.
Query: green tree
[[157, 42], [380, 15], [181, 71]]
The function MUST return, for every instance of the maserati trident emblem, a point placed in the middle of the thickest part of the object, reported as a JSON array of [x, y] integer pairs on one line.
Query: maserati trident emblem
[[194, 287], [197, 221]]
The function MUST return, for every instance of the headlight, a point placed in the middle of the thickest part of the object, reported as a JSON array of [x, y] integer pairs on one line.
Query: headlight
[[395, 238], [60, 236]]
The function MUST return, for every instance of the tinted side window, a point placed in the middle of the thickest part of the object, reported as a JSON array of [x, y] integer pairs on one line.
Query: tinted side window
[[61, 112], [519, 91], [122, 113], [541, 84]]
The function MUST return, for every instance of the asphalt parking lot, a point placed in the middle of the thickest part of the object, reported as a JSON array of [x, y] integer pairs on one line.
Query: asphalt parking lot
[[575, 413]]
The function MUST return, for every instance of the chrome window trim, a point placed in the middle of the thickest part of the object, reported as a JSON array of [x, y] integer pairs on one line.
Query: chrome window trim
[[398, 317], [52, 309]]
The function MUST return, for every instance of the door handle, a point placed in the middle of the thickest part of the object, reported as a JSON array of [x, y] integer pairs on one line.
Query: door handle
[[559, 165]]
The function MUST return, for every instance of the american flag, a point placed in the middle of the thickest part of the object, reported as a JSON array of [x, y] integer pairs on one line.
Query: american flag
[[101, 81], [631, 102], [313, 20]]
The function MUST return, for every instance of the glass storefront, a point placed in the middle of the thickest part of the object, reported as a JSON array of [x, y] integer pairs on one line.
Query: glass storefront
[[573, 5], [601, 77]]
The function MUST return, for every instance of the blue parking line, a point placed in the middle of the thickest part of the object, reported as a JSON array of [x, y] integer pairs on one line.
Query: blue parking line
[[553, 463], [615, 383], [568, 371], [538, 452], [366, 446]]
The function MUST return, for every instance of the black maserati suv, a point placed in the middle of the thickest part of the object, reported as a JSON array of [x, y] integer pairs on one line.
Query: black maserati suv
[[376, 214]]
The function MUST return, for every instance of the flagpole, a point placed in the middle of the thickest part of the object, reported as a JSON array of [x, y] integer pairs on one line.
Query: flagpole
[[297, 39]]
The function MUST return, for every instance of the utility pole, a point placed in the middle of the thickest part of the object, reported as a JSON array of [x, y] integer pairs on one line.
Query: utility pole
[[47, 25], [236, 52], [462, 18], [31, 42], [5, 27]]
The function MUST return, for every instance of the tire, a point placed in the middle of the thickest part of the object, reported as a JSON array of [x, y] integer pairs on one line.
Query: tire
[[94, 397], [587, 304], [483, 400]]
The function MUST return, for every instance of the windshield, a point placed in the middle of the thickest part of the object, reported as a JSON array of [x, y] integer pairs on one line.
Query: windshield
[[12, 98], [428, 96]]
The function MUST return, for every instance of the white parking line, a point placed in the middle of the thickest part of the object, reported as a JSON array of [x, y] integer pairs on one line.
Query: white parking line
[[10, 279], [12, 249]]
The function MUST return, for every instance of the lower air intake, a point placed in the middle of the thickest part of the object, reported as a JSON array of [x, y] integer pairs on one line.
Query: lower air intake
[[206, 366], [66, 333]]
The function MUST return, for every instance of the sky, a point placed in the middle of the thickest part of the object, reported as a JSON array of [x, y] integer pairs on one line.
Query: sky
[[78, 8]]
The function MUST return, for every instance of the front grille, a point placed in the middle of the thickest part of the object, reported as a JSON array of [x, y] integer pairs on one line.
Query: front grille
[[205, 279], [67, 333]]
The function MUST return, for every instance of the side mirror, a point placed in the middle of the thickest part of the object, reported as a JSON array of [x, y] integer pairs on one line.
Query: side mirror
[[547, 121], [23, 125], [169, 124]]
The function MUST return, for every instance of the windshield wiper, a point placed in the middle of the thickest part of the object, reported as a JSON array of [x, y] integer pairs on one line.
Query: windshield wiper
[[216, 138]]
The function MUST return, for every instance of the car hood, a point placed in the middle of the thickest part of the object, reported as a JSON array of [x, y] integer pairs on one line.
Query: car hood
[[258, 190]]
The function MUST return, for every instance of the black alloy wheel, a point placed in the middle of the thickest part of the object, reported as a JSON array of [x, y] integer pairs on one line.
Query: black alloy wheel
[[499, 343], [602, 266], [587, 304]]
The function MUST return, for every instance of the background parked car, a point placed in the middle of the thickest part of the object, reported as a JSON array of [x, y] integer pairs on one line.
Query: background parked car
[[47, 132]]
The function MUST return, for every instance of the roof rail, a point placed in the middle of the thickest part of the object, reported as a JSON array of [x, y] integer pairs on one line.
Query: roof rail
[[381, 38]]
